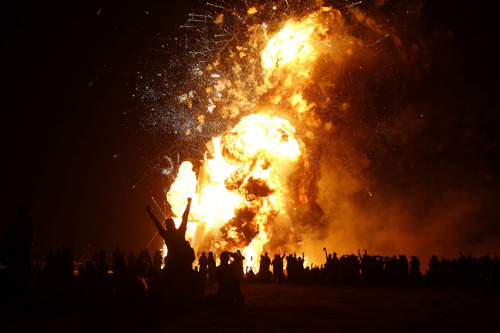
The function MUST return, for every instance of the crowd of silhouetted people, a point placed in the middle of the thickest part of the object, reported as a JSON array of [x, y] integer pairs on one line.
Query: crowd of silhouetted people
[[178, 281], [375, 270]]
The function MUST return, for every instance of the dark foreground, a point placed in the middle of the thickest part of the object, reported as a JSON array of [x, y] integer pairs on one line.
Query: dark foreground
[[295, 308]]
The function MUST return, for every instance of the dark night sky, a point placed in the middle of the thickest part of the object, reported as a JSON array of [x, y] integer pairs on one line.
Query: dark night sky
[[68, 108], [71, 74]]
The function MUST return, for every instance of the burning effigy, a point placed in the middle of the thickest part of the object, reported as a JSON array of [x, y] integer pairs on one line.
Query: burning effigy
[[265, 89], [254, 190]]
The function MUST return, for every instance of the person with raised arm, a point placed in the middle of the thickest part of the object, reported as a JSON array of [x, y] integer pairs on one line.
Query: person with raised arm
[[183, 227], [228, 293], [180, 253], [164, 232], [180, 283], [278, 273]]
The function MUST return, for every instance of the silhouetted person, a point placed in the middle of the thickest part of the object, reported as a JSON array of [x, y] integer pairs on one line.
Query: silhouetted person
[[299, 268], [239, 267], [415, 273], [278, 273], [60, 274], [16, 247], [157, 260], [434, 270], [228, 293], [140, 266], [146, 257], [116, 256], [250, 275], [403, 269], [180, 254], [91, 281], [181, 284], [101, 261], [203, 264], [127, 283], [131, 260], [264, 268], [212, 271], [291, 268], [366, 275]]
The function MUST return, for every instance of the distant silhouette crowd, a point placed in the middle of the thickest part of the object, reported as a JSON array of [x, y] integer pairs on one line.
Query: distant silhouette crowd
[[172, 281]]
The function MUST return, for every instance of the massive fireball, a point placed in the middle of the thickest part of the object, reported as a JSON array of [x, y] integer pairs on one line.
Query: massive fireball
[[248, 192]]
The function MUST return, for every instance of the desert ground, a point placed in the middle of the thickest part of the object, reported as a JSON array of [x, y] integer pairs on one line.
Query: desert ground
[[286, 308]]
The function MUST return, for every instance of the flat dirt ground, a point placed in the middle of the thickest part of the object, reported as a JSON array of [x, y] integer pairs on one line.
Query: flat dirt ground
[[351, 309], [284, 308]]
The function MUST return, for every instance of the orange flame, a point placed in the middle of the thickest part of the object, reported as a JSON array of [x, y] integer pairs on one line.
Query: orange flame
[[240, 192]]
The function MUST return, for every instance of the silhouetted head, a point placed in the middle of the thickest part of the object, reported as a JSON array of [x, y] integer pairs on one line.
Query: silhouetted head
[[265, 254], [169, 224], [203, 254], [224, 257]]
